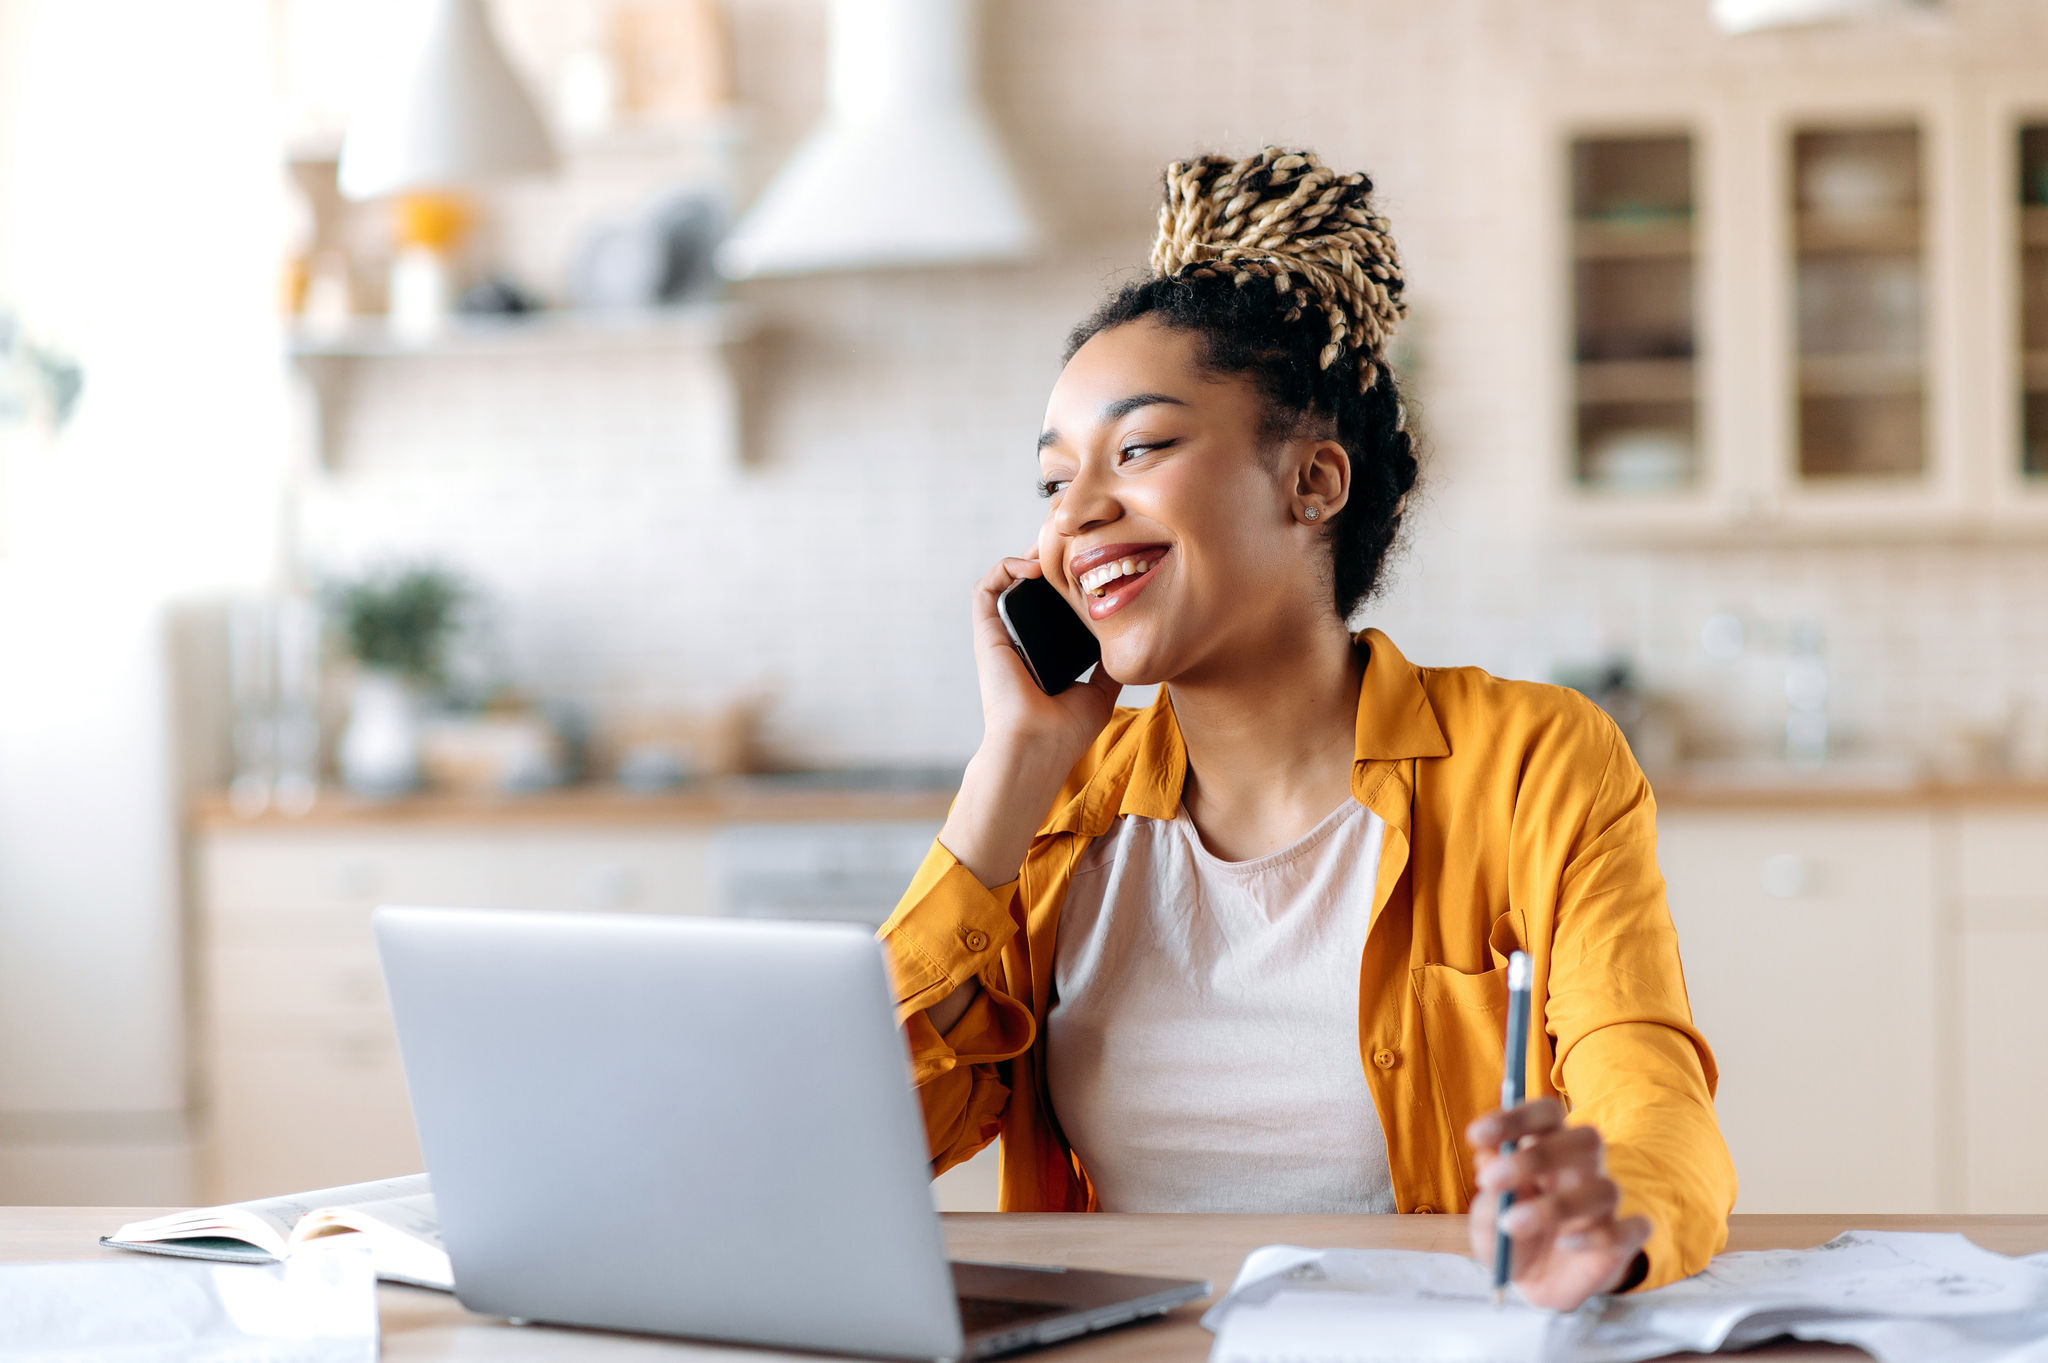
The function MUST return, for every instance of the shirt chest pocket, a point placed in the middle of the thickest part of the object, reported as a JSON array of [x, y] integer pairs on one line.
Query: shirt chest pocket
[[1464, 1022]]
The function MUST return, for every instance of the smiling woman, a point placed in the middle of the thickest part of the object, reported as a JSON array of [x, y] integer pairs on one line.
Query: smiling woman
[[1242, 950]]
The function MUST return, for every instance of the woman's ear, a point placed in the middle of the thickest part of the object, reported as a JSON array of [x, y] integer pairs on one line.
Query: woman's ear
[[1323, 476]]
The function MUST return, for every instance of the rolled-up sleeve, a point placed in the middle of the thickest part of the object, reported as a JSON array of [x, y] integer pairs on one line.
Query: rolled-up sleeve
[[1628, 1056], [948, 929]]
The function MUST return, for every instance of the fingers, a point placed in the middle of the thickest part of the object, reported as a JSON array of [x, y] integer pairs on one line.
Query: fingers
[[1623, 1239], [1558, 1158], [988, 624], [1530, 1119], [1586, 1207]]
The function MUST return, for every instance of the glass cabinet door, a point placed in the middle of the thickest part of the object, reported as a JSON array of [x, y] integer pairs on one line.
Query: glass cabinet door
[[1635, 324], [1636, 335], [2033, 277], [1861, 306]]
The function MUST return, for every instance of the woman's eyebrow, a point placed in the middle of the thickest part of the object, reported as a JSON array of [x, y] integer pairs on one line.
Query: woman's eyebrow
[[1117, 411]]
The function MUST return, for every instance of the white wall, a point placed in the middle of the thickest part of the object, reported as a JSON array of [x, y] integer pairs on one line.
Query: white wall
[[140, 209]]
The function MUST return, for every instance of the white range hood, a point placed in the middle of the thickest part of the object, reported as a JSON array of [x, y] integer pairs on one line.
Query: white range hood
[[1748, 16], [905, 169]]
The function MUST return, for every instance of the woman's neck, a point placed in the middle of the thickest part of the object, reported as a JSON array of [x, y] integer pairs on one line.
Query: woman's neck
[[1270, 739]]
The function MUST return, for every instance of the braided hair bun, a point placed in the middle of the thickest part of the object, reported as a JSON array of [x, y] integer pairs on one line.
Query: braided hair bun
[[1290, 278], [1286, 217]]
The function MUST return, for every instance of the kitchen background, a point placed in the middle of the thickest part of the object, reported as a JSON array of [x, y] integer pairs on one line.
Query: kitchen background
[[1809, 527]]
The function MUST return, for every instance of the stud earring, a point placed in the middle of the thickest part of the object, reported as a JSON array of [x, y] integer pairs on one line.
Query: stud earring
[[1310, 513]]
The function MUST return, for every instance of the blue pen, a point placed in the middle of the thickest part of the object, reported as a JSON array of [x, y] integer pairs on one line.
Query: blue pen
[[1514, 1070]]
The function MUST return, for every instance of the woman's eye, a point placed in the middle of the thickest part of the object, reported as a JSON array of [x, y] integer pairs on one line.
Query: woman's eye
[[1051, 487], [1130, 452]]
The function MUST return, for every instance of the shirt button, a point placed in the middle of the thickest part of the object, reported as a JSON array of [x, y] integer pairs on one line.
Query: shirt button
[[975, 938], [1384, 1058], [1424, 1209]]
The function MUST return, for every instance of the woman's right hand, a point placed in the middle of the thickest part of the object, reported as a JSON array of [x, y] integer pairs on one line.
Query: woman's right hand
[[1030, 740], [1015, 714]]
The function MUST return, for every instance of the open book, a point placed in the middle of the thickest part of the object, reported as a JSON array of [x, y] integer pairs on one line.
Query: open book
[[393, 1218]]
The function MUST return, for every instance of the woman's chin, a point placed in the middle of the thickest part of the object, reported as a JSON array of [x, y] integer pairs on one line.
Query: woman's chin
[[1136, 662]]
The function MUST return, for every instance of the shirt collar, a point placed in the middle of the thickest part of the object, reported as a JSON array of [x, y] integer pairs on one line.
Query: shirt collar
[[1145, 768]]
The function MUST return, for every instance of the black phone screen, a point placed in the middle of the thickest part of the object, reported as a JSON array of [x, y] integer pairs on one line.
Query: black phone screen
[[1055, 643]]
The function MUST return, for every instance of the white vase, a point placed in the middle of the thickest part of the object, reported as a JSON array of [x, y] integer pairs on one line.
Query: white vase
[[380, 748]]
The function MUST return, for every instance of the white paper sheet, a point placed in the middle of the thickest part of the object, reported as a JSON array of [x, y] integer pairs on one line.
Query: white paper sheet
[[321, 1307], [1904, 1297]]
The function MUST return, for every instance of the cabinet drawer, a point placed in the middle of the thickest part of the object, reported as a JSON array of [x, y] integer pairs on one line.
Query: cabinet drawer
[[277, 888], [1809, 944], [607, 872], [340, 985]]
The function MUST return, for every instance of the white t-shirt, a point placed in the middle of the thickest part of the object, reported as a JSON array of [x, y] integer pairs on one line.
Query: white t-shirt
[[1203, 1039]]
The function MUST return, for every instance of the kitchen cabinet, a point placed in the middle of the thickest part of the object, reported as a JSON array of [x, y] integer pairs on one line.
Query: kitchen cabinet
[[1799, 312], [1810, 942], [297, 1065], [1864, 965]]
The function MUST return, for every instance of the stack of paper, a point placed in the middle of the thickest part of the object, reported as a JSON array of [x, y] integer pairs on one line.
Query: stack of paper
[[320, 1307], [1903, 1297]]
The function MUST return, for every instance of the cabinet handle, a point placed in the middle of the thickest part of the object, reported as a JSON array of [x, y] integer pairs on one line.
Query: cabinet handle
[[1786, 876]]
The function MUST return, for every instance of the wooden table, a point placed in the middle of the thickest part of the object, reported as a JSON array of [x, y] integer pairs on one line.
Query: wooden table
[[422, 1325]]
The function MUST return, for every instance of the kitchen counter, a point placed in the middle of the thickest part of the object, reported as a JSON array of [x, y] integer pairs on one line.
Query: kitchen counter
[[833, 798], [797, 798], [1718, 788]]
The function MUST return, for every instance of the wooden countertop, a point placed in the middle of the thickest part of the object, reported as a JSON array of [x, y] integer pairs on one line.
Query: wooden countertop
[[706, 804], [1684, 790], [421, 1325], [715, 803]]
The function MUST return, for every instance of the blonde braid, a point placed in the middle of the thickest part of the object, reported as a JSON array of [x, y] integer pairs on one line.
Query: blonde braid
[[1285, 216]]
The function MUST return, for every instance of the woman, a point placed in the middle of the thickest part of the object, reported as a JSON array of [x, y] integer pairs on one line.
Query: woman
[[1243, 950]]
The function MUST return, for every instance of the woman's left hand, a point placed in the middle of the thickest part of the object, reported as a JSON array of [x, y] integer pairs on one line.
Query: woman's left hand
[[1569, 1243]]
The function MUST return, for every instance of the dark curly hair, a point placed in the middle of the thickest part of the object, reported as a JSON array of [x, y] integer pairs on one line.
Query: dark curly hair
[[1251, 255]]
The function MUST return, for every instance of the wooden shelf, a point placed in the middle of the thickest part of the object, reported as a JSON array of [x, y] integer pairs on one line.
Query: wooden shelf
[[1848, 376], [1607, 382], [327, 357], [534, 333], [1889, 233], [1594, 239]]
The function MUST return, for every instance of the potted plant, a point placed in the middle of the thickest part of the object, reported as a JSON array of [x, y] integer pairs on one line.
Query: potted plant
[[396, 625]]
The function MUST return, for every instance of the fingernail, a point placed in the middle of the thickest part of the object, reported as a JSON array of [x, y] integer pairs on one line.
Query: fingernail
[[1518, 1219], [1571, 1240]]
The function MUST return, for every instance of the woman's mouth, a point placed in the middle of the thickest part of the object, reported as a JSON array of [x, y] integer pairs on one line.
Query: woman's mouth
[[1113, 583]]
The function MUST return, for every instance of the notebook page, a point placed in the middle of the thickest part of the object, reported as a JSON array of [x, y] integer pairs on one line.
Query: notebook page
[[279, 1214], [1308, 1327]]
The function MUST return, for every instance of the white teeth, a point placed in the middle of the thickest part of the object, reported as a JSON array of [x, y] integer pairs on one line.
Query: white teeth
[[1095, 579]]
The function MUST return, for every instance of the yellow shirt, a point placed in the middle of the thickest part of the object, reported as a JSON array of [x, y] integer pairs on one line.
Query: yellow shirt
[[1516, 820]]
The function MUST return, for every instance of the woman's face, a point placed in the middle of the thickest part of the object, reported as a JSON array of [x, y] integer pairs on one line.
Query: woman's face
[[1174, 526]]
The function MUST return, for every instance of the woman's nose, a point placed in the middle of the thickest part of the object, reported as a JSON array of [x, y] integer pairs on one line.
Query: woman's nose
[[1088, 501]]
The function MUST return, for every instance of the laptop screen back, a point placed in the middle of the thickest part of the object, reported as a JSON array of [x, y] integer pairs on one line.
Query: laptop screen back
[[699, 1127]]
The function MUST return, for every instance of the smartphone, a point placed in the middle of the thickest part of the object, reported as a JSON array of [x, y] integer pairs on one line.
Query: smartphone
[[1055, 643]]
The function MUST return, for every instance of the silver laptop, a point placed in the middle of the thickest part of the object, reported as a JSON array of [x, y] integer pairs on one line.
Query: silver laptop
[[697, 1127]]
